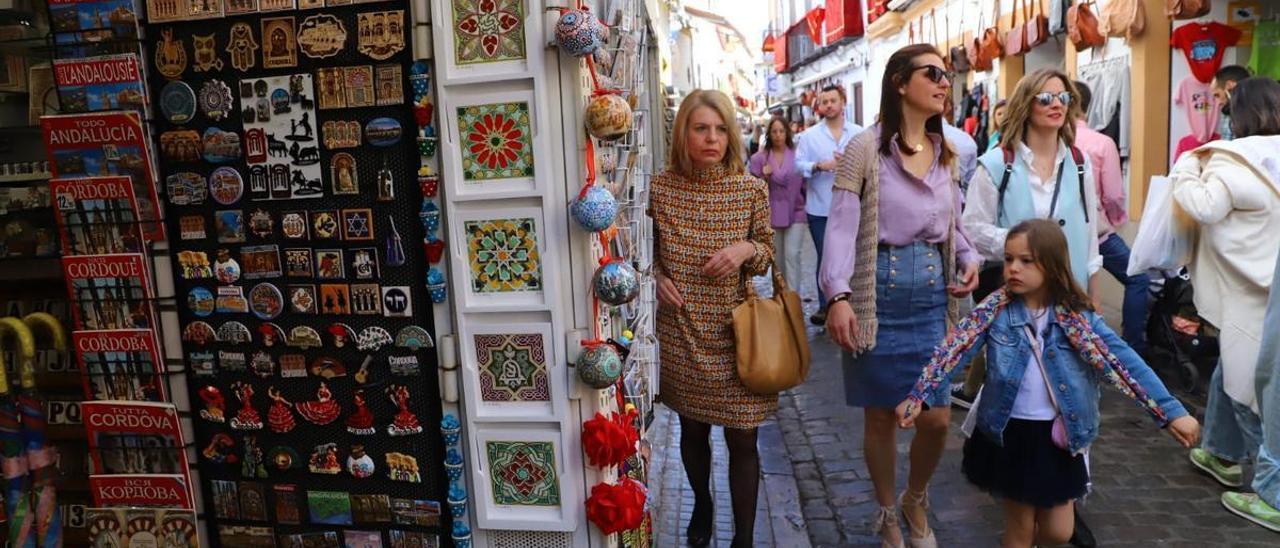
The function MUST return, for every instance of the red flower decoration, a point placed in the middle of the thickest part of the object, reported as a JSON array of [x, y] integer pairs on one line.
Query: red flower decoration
[[495, 140], [609, 441], [615, 508]]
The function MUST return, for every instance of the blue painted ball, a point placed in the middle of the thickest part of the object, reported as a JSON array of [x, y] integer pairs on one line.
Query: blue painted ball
[[596, 210]]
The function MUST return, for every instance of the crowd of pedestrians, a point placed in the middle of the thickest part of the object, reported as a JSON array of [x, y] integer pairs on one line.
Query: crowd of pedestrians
[[935, 260]]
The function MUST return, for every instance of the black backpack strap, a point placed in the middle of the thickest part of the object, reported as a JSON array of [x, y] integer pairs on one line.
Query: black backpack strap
[[1079, 160], [1004, 183]]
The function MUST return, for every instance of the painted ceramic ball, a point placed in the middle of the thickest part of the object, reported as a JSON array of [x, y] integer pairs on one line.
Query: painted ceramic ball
[[616, 282], [579, 33], [608, 117], [599, 366], [596, 210]]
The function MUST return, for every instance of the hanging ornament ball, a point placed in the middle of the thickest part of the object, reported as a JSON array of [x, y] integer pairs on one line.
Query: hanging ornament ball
[[599, 366], [608, 117], [579, 33], [616, 282], [595, 210], [602, 57]]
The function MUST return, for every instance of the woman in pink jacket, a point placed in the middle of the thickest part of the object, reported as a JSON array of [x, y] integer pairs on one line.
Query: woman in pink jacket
[[776, 164]]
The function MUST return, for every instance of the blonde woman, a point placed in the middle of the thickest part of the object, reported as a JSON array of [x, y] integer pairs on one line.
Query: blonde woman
[[711, 225]]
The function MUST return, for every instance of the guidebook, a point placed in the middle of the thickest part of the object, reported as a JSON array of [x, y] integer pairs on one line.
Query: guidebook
[[106, 143], [110, 291], [111, 82], [96, 215], [120, 364], [141, 490], [129, 437]]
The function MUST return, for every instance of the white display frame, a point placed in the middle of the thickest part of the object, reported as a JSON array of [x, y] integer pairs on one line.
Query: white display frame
[[451, 144], [490, 515], [485, 411], [460, 265], [452, 74]]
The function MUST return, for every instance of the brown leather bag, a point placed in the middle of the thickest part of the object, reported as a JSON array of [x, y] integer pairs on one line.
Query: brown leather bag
[[1082, 27], [1187, 9], [1015, 41], [989, 46], [958, 56], [770, 339], [1037, 26]]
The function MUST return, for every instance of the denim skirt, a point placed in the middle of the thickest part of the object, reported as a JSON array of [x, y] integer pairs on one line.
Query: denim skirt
[[911, 308]]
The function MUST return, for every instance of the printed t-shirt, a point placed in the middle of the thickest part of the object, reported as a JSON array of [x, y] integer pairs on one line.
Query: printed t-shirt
[[1203, 44], [1196, 99]]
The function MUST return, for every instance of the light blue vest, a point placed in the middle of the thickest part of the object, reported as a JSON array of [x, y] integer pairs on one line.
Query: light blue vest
[[1070, 213]]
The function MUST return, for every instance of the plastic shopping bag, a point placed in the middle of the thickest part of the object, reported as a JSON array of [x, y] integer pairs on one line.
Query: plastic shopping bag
[[1163, 242]]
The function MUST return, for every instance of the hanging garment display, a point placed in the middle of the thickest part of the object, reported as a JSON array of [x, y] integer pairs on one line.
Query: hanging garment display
[[1109, 82], [1199, 106], [1203, 44]]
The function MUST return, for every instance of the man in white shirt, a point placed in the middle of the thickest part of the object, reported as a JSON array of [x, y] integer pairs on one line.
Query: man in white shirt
[[818, 152], [966, 148]]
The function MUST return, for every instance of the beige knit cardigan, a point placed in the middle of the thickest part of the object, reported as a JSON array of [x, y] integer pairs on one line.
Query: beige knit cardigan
[[859, 172]]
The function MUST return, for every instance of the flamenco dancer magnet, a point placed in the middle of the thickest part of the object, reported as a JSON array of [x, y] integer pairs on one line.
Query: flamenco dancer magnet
[[405, 422], [360, 422], [321, 411], [279, 417], [247, 417]]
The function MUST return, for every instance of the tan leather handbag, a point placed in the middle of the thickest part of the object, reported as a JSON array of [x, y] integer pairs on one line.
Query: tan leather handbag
[[1187, 9], [1082, 27], [1123, 19], [1015, 41], [770, 339], [989, 47]]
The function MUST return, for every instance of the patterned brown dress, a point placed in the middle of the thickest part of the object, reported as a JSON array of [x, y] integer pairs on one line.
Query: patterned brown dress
[[693, 219]]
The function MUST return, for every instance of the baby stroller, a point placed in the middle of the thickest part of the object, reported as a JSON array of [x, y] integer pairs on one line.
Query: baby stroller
[[1183, 348]]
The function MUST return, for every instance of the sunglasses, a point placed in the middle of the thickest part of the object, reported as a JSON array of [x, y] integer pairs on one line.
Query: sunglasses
[[935, 73], [1046, 98]]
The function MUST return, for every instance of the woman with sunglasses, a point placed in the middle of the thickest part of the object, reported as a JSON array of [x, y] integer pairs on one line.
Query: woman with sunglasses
[[1036, 172], [894, 264]]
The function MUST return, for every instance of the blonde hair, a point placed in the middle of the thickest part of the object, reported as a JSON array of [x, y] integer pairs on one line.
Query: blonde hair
[[1018, 115], [678, 159]]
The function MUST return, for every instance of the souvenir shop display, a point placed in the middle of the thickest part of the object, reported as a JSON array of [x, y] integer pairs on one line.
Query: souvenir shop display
[[282, 128]]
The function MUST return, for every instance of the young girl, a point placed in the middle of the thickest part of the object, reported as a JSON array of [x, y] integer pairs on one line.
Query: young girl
[[1046, 353]]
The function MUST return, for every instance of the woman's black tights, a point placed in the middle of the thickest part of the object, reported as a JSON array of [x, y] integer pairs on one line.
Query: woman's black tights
[[744, 475]]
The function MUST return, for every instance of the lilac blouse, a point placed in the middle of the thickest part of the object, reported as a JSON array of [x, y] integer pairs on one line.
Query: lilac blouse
[[786, 186], [911, 209]]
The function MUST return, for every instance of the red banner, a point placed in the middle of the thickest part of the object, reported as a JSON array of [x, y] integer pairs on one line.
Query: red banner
[[814, 19]]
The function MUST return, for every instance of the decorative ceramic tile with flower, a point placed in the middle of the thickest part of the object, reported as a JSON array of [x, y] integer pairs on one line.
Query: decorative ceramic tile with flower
[[488, 31], [503, 254], [523, 473], [496, 142], [512, 368]]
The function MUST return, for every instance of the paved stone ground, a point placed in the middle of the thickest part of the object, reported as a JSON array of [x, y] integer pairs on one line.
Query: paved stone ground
[[1145, 493], [778, 519]]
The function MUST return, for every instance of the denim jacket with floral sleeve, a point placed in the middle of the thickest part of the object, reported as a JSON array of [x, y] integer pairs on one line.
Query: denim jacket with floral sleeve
[[1075, 380]]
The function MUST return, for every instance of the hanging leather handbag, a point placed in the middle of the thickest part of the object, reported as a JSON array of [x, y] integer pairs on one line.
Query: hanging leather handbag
[[989, 47], [1037, 26], [1123, 19], [1187, 9], [1082, 27], [770, 339], [958, 56], [1015, 41]]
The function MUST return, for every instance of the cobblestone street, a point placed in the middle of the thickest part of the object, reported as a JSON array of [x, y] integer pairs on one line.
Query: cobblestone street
[[1145, 492]]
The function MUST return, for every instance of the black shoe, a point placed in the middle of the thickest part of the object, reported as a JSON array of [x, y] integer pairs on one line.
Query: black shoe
[[1082, 537], [819, 317], [959, 398], [701, 525]]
